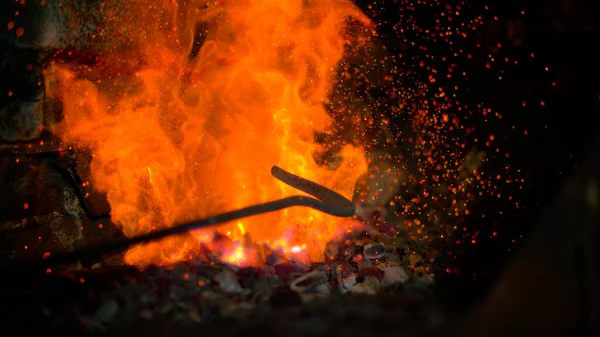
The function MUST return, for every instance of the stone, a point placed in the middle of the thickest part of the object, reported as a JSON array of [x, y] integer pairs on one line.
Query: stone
[[393, 275], [43, 207], [347, 284], [96, 201], [35, 188], [273, 259], [285, 270], [369, 286], [300, 266], [22, 121], [37, 26], [262, 290], [59, 233], [270, 270], [308, 281], [332, 251], [375, 251], [362, 264], [344, 270], [373, 283], [362, 289], [323, 289], [372, 271], [104, 315], [228, 281], [133, 296]]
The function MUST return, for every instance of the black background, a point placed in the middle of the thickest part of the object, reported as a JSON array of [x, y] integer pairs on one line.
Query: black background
[[563, 36]]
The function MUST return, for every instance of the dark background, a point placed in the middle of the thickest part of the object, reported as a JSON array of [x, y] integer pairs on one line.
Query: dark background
[[563, 36]]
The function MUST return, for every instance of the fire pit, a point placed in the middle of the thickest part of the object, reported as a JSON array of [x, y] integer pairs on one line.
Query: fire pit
[[233, 165]]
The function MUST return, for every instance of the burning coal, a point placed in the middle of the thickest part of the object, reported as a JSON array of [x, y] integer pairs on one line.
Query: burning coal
[[192, 106]]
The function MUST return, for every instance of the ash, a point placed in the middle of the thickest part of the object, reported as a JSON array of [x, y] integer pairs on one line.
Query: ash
[[367, 283]]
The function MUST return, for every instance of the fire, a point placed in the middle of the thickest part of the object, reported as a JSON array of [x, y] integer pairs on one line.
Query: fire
[[181, 129]]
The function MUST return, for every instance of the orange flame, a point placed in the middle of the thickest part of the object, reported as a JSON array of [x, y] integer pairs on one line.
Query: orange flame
[[185, 137]]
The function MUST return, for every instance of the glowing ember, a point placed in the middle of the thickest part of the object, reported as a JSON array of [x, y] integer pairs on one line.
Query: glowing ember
[[186, 137]]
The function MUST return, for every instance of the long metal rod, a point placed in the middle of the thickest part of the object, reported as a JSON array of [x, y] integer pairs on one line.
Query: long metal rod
[[341, 208]]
